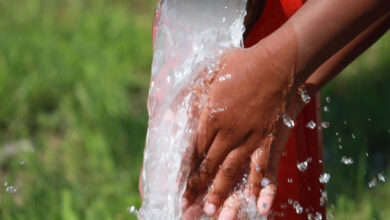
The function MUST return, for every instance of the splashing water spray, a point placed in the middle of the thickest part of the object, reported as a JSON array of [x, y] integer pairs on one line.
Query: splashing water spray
[[189, 37]]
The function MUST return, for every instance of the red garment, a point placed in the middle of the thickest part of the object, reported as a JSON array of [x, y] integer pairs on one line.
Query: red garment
[[304, 143]]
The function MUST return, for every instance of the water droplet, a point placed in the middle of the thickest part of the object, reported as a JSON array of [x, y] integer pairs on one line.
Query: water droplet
[[226, 7], [288, 121], [353, 136], [339, 139], [311, 125], [328, 99], [340, 146], [324, 178], [298, 208], [372, 183], [305, 97], [132, 210], [346, 160], [326, 108], [290, 201], [5, 183], [369, 119], [264, 182], [381, 177], [223, 19], [325, 124], [337, 133], [11, 189], [21, 163], [302, 166], [225, 77], [318, 216], [345, 122], [366, 154], [289, 180], [324, 198]]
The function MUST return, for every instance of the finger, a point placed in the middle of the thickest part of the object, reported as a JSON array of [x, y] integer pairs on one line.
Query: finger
[[266, 199], [207, 131], [262, 183], [230, 207], [278, 146], [194, 211], [192, 157], [227, 175], [206, 134], [267, 193], [200, 177], [258, 166]]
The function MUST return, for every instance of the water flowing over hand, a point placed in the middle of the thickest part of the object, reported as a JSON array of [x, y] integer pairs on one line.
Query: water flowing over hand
[[243, 127]]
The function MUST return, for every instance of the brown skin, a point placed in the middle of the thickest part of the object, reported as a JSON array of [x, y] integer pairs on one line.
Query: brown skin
[[264, 83]]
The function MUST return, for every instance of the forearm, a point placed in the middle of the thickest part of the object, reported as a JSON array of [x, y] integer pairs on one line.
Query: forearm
[[345, 56], [318, 30]]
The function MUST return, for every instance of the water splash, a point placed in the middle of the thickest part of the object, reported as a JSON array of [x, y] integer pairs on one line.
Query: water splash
[[302, 166], [188, 38], [381, 177], [311, 125], [324, 178], [325, 124], [346, 160], [225, 77], [372, 183], [132, 210], [298, 208], [326, 108], [11, 189], [324, 197], [304, 96], [265, 182], [288, 121], [318, 216]]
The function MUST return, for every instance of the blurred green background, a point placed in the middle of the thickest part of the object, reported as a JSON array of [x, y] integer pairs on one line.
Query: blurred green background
[[74, 77]]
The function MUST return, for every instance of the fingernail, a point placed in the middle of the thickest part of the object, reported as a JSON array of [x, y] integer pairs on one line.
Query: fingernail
[[263, 205], [210, 209], [184, 203], [227, 214]]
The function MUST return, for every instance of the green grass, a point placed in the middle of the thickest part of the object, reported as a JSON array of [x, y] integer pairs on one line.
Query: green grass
[[73, 85], [74, 76]]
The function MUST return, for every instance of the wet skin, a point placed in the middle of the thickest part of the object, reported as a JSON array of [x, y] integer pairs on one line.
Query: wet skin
[[241, 123]]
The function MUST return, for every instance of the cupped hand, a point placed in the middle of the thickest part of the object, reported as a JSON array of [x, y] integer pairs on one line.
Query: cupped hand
[[242, 124]]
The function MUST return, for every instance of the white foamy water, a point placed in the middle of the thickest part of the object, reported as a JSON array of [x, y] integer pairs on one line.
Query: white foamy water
[[189, 37]]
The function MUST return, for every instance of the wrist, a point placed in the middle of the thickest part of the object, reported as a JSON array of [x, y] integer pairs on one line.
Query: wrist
[[279, 52]]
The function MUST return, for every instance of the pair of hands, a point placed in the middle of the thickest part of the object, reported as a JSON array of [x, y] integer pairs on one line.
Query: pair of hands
[[242, 127]]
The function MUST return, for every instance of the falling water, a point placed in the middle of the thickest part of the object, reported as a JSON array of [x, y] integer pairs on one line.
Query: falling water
[[189, 36]]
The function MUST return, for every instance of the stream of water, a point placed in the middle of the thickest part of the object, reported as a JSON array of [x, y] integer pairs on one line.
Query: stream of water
[[189, 36]]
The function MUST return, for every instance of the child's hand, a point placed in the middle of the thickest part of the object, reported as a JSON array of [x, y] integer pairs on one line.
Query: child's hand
[[246, 105]]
